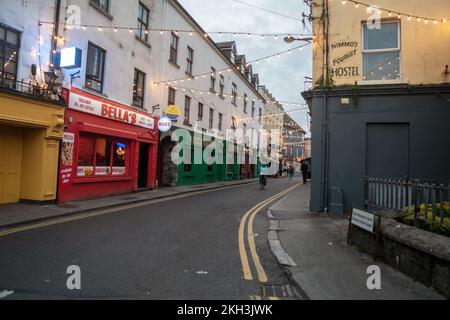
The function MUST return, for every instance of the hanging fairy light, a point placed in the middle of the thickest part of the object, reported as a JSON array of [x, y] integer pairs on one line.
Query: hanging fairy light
[[391, 13]]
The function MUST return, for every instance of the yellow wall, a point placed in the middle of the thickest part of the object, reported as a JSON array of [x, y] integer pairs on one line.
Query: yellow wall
[[42, 127], [424, 47]]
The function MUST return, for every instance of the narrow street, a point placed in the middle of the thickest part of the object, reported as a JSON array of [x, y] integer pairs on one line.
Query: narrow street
[[183, 248]]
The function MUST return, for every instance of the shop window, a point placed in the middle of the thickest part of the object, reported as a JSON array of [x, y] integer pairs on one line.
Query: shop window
[[101, 156], [9, 52], [381, 52]]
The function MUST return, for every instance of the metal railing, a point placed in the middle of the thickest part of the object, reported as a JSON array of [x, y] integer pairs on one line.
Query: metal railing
[[424, 201], [30, 89]]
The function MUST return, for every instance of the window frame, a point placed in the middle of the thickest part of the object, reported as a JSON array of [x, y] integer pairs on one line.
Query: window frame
[[138, 73], [3, 45], [173, 55], [187, 110], [112, 142], [101, 80], [377, 51], [96, 4], [169, 100], [245, 103], [221, 86], [142, 33], [190, 61], [234, 93], [211, 119], [200, 111], [212, 80]]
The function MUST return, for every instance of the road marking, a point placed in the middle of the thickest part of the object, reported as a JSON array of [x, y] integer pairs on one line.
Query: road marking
[[274, 298], [255, 298], [100, 212], [242, 251]]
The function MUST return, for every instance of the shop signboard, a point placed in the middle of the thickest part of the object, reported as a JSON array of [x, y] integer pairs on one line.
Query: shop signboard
[[111, 111]]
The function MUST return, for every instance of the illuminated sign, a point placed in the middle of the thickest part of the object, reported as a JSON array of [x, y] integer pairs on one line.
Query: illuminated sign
[[173, 112], [70, 58], [164, 124]]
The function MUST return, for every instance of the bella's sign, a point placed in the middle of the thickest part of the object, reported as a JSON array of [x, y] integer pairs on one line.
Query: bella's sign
[[106, 110]]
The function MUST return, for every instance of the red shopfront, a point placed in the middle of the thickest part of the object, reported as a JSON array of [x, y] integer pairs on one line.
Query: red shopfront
[[107, 149]]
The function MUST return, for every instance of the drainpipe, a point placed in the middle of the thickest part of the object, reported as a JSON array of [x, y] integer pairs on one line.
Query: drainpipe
[[325, 131], [55, 32]]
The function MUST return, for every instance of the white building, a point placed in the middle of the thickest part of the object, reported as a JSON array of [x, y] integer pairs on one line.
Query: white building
[[146, 55]]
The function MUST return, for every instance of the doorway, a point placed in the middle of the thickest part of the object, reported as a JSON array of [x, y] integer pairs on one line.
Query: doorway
[[387, 154], [143, 165]]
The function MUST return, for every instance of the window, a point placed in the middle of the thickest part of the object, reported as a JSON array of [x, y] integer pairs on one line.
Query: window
[[95, 67], [174, 49], [172, 95], [222, 85], [260, 115], [381, 52], [190, 60], [200, 111], [211, 118], [101, 156], [233, 123], [9, 52], [234, 94], [213, 80], [187, 109], [143, 18], [138, 88], [253, 108], [101, 4], [245, 103], [220, 121]]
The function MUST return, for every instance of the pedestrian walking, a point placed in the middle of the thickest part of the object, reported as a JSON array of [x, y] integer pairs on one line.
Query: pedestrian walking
[[304, 169]]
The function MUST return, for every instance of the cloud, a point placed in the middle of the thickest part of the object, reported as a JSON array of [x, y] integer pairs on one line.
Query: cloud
[[283, 76]]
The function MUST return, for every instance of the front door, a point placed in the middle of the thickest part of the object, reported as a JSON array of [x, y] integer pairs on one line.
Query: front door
[[387, 154], [143, 165], [10, 164]]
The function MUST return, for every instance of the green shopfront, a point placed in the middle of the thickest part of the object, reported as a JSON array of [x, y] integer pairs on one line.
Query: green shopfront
[[170, 174]]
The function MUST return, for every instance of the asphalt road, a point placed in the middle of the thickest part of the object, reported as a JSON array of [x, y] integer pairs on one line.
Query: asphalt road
[[183, 248]]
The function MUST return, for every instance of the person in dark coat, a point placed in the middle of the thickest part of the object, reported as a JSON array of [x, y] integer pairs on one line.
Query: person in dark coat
[[304, 168]]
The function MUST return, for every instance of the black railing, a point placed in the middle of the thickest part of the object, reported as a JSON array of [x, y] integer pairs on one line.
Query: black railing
[[30, 89], [424, 201]]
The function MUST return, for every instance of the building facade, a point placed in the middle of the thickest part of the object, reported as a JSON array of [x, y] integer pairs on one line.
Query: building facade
[[293, 142], [380, 102], [212, 90], [31, 112]]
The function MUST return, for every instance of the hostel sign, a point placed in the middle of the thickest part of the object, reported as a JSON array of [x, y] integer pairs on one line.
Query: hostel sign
[[342, 64], [109, 110]]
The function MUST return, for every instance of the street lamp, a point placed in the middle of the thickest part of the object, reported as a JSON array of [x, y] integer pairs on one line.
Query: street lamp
[[290, 39]]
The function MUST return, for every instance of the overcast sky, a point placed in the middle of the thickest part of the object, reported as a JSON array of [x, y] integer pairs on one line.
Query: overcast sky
[[283, 76]]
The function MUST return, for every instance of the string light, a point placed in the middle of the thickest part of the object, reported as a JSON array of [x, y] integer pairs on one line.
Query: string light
[[399, 15], [190, 32], [229, 69]]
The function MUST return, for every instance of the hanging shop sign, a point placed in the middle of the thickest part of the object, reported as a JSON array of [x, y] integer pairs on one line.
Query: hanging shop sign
[[173, 112], [70, 58], [110, 111], [164, 124]]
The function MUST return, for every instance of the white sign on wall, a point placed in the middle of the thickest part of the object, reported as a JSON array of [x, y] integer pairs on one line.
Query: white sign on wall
[[164, 124], [362, 219], [110, 111]]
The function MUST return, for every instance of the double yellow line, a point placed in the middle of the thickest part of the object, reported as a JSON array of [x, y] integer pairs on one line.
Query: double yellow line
[[250, 216]]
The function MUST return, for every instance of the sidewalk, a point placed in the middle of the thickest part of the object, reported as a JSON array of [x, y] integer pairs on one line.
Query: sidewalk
[[322, 265], [19, 213]]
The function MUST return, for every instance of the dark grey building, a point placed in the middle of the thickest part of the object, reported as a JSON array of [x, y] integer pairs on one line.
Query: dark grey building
[[388, 131]]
